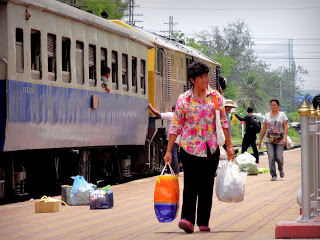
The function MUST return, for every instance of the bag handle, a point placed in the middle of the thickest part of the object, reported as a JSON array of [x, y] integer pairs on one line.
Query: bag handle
[[214, 98], [164, 168]]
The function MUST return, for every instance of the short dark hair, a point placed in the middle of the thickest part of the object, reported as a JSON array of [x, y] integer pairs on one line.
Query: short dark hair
[[173, 107], [249, 110], [105, 70], [276, 101], [196, 69]]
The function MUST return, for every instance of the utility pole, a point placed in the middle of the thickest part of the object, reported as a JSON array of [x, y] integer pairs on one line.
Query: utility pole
[[171, 24], [292, 64], [131, 14]]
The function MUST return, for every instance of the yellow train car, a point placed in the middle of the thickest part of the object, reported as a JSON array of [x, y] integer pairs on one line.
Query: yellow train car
[[167, 79]]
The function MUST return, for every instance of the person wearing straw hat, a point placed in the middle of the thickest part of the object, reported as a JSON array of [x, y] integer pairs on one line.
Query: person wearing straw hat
[[228, 105]]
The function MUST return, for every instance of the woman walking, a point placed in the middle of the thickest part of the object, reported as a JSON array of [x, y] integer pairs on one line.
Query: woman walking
[[194, 121], [275, 125]]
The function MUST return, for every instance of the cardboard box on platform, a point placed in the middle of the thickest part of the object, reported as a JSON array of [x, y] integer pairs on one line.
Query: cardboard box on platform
[[48, 206]]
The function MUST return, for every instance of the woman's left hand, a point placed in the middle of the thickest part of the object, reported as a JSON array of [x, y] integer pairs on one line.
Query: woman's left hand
[[284, 142], [230, 154]]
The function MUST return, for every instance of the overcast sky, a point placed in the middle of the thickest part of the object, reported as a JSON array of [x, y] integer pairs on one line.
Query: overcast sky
[[272, 23]]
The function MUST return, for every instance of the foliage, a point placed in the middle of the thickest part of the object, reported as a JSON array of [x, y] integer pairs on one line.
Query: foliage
[[227, 64], [251, 94], [114, 8], [233, 41], [293, 117], [231, 92]]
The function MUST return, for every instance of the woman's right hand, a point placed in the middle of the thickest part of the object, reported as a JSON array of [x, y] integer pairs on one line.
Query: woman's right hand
[[168, 157]]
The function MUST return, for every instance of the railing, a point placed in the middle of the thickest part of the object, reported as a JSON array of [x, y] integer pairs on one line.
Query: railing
[[310, 162]]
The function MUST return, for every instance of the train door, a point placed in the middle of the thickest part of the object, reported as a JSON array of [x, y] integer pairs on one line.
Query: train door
[[159, 79]]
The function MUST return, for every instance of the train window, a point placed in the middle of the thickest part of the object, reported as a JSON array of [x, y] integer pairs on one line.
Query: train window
[[159, 61], [51, 47], [66, 71], [103, 57], [80, 63], [181, 61], [188, 85], [35, 54], [19, 50], [92, 66], [103, 60], [114, 69], [143, 77], [125, 81], [134, 74]]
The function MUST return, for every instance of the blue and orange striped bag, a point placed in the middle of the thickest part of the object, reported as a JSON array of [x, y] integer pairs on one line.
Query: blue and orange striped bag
[[166, 196]]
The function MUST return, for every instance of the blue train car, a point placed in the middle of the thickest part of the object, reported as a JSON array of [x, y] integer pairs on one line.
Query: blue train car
[[53, 104]]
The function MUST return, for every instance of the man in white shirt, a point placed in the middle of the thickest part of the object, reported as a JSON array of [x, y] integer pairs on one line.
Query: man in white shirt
[[169, 117]]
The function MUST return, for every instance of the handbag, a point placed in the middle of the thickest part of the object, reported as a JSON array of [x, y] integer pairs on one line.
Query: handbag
[[220, 135], [166, 196], [274, 138]]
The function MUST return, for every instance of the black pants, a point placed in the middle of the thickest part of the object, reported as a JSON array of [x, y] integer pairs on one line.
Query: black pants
[[250, 141], [199, 173]]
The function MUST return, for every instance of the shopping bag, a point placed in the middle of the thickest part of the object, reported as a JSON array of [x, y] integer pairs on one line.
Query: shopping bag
[[80, 191], [166, 196], [247, 163], [230, 183], [220, 135], [234, 121], [101, 198], [289, 143]]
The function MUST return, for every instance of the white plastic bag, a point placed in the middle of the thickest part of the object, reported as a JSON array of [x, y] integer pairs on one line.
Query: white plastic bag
[[220, 135], [289, 143], [245, 157], [223, 153], [247, 163], [230, 183]]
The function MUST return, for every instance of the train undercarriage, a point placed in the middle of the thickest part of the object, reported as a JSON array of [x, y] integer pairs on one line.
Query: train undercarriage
[[34, 173]]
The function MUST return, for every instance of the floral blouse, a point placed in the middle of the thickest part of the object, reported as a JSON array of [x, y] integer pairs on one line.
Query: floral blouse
[[194, 121]]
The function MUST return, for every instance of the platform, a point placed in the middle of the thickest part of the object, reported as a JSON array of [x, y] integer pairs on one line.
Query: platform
[[266, 203]]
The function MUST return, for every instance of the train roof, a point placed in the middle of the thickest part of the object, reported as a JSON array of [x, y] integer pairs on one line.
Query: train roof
[[76, 14], [174, 45]]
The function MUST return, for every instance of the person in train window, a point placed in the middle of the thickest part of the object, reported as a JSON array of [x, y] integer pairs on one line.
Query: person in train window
[[169, 116], [194, 121], [105, 74]]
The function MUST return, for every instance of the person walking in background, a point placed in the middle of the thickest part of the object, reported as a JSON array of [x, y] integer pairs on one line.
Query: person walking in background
[[105, 74], [228, 105], [194, 121], [250, 136], [169, 117], [275, 125]]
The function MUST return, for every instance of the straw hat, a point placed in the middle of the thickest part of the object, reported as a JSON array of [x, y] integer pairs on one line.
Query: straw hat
[[229, 103]]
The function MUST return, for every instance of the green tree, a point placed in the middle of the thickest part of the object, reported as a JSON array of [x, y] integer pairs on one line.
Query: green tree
[[251, 94], [233, 41], [114, 8]]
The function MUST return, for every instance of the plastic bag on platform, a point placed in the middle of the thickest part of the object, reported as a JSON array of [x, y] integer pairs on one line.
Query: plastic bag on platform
[[166, 196], [230, 183], [80, 191], [247, 163], [101, 198]]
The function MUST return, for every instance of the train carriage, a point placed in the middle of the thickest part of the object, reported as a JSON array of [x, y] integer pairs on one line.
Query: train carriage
[[57, 120], [52, 96]]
